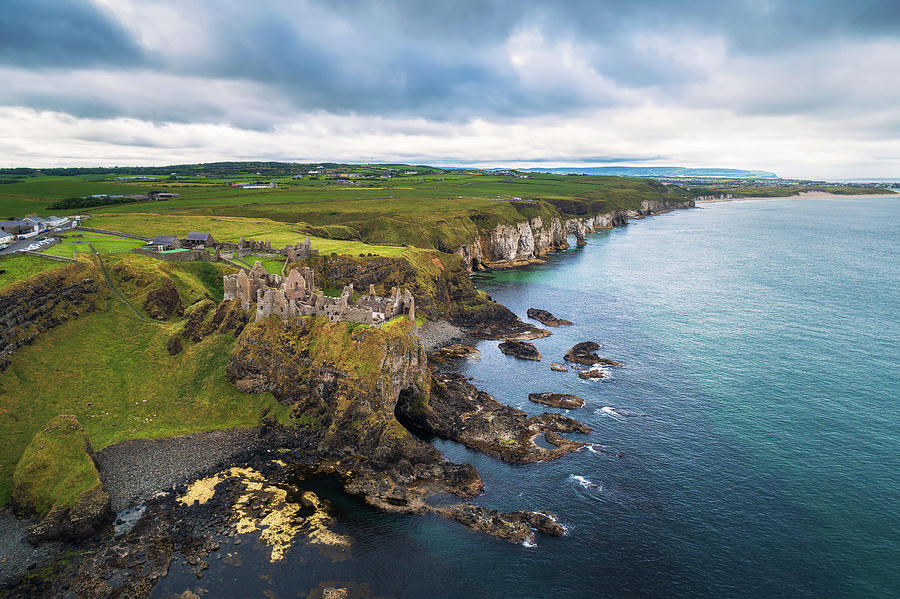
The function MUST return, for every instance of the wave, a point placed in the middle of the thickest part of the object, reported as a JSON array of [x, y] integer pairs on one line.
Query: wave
[[618, 413], [610, 412], [584, 482], [598, 449]]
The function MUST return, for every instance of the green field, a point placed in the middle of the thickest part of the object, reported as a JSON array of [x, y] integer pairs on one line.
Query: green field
[[18, 267], [75, 243], [272, 265], [231, 228], [433, 209], [437, 209]]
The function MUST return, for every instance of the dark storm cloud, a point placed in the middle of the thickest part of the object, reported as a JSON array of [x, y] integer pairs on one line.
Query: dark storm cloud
[[437, 60], [56, 33]]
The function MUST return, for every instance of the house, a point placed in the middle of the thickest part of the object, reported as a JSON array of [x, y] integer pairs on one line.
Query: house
[[257, 185], [161, 195], [198, 240], [55, 221], [36, 220], [162, 243], [18, 227]]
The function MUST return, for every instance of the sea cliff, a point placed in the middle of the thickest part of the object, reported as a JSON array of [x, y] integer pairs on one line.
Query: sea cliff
[[510, 245]]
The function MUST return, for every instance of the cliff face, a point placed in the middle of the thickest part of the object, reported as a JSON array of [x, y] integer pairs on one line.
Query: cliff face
[[529, 240], [39, 304], [344, 382], [521, 242]]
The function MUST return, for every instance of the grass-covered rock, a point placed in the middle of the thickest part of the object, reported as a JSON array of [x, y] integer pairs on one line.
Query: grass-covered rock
[[56, 478]]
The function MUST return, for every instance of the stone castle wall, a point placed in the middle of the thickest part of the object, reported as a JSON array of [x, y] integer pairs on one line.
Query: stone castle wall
[[297, 295], [300, 251]]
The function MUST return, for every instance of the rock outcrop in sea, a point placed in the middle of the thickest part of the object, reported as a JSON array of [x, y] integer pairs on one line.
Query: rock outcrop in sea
[[520, 349], [546, 318], [583, 353], [557, 400]]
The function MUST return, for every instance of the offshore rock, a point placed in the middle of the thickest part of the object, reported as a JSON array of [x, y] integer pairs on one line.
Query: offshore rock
[[546, 318], [582, 353], [515, 526], [520, 349], [558, 367], [557, 400], [593, 373]]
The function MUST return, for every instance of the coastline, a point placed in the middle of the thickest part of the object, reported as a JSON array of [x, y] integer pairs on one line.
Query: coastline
[[133, 471], [810, 195]]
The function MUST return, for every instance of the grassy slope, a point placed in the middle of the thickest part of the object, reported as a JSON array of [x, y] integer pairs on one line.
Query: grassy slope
[[55, 468], [113, 372], [19, 267]]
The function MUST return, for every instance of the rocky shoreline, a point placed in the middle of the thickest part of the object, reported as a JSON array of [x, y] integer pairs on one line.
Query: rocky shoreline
[[388, 467]]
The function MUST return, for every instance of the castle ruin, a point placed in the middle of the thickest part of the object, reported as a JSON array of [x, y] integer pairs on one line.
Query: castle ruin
[[300, 251], [297, 295]]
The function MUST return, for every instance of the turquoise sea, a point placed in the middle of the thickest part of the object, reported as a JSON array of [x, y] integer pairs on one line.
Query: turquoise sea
[[749, 448]]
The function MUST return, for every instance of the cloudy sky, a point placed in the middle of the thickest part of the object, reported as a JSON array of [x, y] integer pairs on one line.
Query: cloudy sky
[[802, 88]]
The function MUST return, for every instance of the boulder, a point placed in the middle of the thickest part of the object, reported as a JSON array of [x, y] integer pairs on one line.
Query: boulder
[[557, 400], [520, 349], [558, 367], [547, 318]]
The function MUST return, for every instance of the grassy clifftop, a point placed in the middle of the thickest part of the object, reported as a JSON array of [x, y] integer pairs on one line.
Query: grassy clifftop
[[56, 468]]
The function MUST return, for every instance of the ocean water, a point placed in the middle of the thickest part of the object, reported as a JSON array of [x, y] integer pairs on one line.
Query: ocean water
[[750, 447]]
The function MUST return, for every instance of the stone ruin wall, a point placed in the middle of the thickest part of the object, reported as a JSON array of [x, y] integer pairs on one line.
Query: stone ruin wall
[[297, 295], [245, 247]]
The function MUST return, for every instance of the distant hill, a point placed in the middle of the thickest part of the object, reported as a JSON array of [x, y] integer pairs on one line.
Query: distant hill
[[656, 171]]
